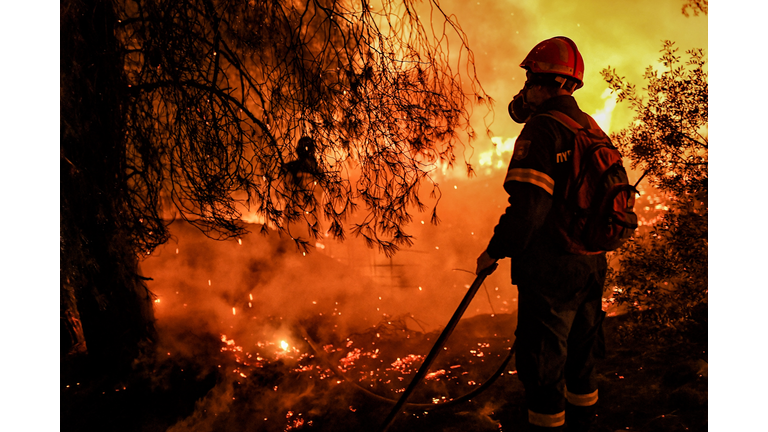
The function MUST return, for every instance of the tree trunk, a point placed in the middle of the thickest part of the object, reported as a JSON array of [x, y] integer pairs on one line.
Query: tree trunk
[[106, 309]]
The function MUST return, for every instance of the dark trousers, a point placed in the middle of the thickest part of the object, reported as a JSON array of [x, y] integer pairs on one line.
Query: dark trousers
[[559, 334]]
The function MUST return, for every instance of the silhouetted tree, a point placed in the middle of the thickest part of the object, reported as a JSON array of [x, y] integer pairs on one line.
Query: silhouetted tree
[[663, 270], [696, 6], [298, 112]]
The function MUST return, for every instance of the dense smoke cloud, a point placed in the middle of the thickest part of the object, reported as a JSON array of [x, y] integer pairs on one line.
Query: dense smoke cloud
[[201, 283]]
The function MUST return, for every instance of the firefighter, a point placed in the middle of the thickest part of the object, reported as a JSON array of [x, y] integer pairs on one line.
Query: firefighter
[[559, 331]]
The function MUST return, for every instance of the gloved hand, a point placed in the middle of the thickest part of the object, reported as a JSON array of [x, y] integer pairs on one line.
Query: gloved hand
[[484, 261]]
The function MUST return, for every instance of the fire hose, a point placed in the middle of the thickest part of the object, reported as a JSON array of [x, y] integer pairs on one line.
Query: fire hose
[[424, 368]]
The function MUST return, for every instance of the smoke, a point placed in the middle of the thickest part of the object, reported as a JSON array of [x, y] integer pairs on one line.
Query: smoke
[[227, 307], [224, 285]]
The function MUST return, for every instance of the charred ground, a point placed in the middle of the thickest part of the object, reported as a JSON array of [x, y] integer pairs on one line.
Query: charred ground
[[646, 385]]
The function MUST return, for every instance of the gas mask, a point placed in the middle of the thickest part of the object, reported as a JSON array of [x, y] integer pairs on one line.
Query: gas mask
[[519, 109]]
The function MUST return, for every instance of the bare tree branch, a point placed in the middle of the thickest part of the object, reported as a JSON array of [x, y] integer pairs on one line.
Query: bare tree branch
[[222, 91]]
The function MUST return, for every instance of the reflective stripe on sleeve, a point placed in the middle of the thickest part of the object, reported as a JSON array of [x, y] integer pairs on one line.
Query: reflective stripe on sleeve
[[581, 399], [546, 420], [527, 175]]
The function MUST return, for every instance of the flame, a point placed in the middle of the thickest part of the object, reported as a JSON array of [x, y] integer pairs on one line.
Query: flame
[[603, 116], [494, 158], [284, 345]]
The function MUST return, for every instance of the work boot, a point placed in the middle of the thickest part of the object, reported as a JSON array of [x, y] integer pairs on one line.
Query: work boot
[[579, 418]]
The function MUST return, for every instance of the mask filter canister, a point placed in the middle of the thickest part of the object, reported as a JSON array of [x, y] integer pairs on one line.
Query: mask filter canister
[[518, 109]]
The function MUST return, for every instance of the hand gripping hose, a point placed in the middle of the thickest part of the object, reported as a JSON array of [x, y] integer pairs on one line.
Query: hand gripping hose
[[439, 345]]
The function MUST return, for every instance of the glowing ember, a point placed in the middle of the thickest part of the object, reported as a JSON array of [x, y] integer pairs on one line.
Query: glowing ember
[[368, 362], [404, 365], [435, 374]]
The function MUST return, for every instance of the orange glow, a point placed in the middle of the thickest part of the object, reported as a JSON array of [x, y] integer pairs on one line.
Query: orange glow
[[435, 374], [284, 345], [234, 312], [603, 115], [498, 156]]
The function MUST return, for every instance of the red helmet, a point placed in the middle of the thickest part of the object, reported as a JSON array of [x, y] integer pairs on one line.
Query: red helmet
[[559, 56]]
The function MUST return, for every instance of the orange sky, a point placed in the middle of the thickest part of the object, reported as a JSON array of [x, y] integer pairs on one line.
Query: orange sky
[[622, 34]]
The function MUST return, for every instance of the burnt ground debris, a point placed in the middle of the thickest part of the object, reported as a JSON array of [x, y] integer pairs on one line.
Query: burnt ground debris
[[658, 385]]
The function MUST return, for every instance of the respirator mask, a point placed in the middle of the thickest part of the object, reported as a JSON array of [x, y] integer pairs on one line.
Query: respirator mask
[[519, 109]]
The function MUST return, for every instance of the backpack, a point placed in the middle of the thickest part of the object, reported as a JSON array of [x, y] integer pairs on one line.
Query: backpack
[[596, 214]]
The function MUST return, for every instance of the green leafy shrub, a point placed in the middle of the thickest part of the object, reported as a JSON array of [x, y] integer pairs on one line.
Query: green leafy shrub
[[660, 275]]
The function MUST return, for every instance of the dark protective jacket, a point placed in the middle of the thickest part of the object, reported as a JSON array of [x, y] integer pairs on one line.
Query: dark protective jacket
[[537, 174]]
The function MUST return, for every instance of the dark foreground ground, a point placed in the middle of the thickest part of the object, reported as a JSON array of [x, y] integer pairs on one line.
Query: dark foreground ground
[[645, 386]]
